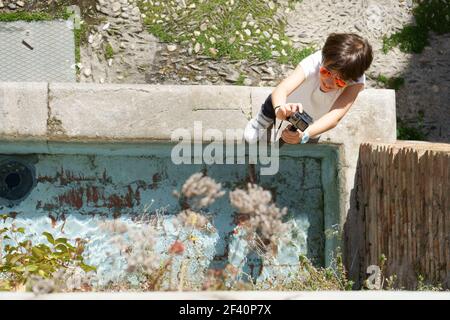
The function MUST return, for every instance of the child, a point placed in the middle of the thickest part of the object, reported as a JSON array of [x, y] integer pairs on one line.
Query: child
[[326, 83]]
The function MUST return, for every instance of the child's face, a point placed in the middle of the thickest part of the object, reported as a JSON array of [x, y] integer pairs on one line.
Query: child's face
[[330, 80]]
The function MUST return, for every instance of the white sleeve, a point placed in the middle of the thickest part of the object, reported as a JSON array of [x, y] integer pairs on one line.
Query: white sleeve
[[361, 79], [311, 63]]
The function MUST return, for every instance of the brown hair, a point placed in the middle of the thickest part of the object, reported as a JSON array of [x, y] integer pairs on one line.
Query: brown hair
[[347, 54]]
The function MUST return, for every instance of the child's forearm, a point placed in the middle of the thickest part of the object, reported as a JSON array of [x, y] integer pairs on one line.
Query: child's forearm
[[323, 124], [279, 96]]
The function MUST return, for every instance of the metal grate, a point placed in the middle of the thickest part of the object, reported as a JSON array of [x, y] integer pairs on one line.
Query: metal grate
[[37, 51]]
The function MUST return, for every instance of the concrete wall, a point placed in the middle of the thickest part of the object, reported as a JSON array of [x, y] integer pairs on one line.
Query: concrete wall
[[43, 115]]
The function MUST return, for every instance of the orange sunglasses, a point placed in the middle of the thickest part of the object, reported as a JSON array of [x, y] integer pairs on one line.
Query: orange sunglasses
[[327, 73]]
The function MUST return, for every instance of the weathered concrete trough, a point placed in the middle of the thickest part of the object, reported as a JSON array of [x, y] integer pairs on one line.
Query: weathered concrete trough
[[72, 156]]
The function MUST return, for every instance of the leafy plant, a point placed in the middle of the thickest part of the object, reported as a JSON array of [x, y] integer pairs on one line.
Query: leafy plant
[[311, 278], [430, 15], [19, 260], [391, 83], [407, 132], [423, 286], [433, 15]]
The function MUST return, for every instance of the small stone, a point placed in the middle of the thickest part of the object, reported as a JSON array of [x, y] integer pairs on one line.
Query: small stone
[[110, 61], [136, 12], [213, 51], [197, 47], [120, 77], [20, 3], [124, 15], [203, 27], [435, 88], [106, 26], [232, 76], [87, 72], [268, 70], [116, 6], [247, 82], [1, 4], [359, 27], [171, 47], [12, 6], [102, 80], [194, 67]]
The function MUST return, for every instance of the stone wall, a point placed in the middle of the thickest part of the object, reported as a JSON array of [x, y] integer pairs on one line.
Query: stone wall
[[45, 116]]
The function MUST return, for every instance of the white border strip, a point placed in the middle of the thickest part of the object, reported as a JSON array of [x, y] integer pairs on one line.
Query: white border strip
[[235, 295]]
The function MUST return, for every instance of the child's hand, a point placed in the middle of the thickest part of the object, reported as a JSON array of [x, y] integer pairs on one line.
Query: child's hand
[[291, 137], [287, 110]]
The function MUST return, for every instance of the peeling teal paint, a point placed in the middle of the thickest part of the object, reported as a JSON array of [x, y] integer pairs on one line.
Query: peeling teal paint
[[79, 185]]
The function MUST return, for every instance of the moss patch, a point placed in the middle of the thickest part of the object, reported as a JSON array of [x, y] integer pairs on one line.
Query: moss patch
[[109, 51], [390, 83]]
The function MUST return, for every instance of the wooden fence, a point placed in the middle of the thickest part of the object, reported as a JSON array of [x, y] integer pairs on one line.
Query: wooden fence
[[403, 196]]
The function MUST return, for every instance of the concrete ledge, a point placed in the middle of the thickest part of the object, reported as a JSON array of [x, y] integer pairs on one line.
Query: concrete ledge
[[136, 112], [23, 110], [236, 295], [122, 112]]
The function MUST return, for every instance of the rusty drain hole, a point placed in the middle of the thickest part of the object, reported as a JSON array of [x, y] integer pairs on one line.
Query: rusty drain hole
[[16, 181]]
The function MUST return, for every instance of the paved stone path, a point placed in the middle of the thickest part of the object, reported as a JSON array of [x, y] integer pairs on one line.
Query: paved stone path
[[119, 50]]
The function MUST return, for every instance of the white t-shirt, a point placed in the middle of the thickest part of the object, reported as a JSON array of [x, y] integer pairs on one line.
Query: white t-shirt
[[315, 102]]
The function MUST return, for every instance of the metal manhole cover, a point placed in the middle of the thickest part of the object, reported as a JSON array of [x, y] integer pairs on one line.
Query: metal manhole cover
[[37, 51]]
